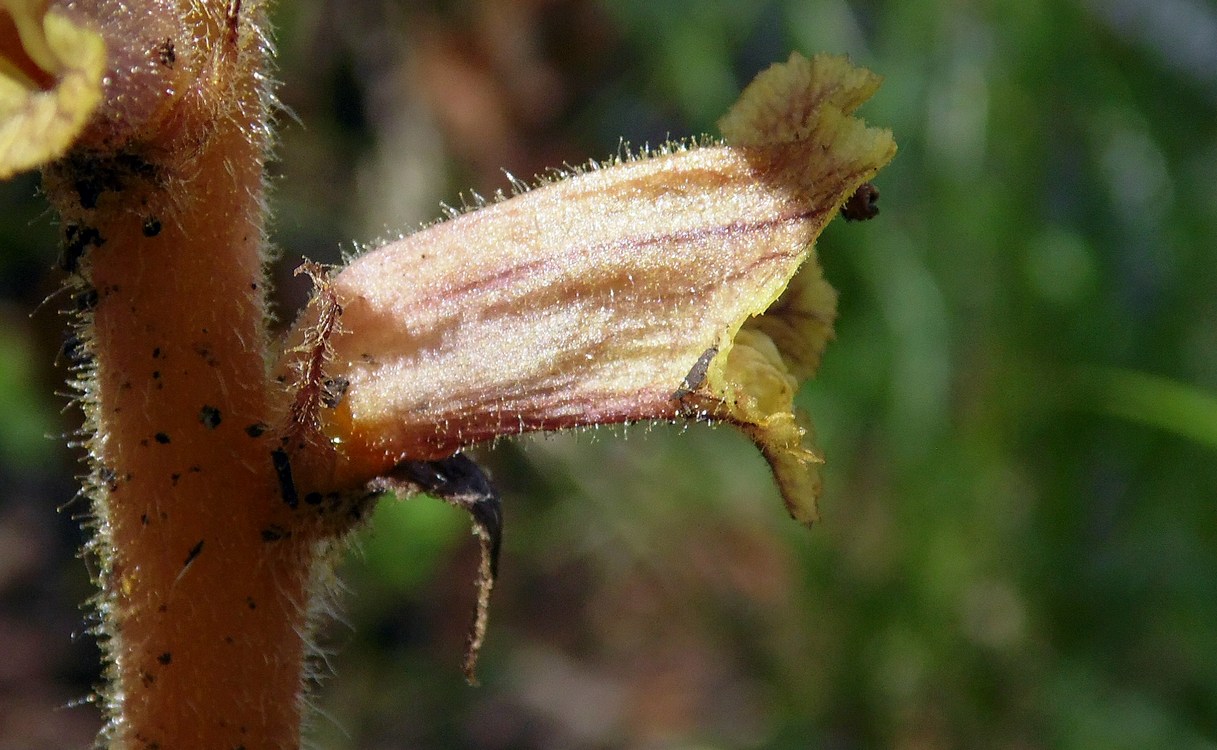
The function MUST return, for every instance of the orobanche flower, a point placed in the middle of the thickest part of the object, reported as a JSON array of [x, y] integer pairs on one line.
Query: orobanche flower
[[51, 72], [675, 285]]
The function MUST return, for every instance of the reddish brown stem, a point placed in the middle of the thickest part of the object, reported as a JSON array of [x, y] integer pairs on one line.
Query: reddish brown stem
[[205, 568]]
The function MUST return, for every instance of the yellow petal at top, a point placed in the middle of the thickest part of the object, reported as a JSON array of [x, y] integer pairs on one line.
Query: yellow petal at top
[[629, 291], [787, 110], [51, 73]]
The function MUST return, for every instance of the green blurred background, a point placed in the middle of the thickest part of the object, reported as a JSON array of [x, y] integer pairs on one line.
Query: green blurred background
[[1019, 546]]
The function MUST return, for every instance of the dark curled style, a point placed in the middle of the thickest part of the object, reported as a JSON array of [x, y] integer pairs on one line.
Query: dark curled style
[[863, 204], [459, 481]]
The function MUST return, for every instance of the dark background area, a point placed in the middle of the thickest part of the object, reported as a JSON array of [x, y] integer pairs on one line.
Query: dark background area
[[1019, 414]]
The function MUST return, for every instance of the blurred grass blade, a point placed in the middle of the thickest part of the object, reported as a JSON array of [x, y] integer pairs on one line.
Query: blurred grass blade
[[1156, 402]]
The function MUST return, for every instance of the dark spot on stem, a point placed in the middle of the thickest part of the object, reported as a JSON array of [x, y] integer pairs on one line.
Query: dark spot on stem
[[206, 354], [166, 53], [77, 239], [88, 190], [193, 553], [92, 175], [274, 533], [210, 417], [152, 226], [161, 438], [255, 430], [165, 658], [283, 470], [86, 300]]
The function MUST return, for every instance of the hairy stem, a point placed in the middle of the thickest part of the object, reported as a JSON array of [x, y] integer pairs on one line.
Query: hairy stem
[[204, 585]]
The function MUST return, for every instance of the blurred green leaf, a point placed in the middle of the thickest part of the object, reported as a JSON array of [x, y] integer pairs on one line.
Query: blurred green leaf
[[1155, 401], [405, 543], [27, 427]]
